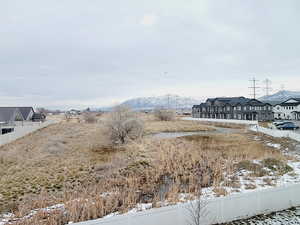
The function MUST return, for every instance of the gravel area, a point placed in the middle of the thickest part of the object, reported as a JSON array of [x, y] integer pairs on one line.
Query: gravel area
[[287, 217]]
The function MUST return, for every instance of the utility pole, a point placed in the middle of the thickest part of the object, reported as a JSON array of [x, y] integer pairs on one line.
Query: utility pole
[[254, 87], [267, 87]]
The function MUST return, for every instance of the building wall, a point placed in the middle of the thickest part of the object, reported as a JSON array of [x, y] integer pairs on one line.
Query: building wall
[[22, 130], [285, 112], [239, 113]]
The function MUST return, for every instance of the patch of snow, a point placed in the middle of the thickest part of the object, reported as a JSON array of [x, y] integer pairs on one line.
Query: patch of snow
[[141, 207], [277, 146]]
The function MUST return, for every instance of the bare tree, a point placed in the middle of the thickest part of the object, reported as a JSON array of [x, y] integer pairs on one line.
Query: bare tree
[[124, 125], [197, 211], [164, 114], [89, 117]]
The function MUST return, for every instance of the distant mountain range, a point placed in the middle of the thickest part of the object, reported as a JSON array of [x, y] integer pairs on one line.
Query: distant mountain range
[[179, 102], [166, 101], [280, 96]]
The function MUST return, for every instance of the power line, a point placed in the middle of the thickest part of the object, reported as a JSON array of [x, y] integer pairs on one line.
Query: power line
[[254, 87], [267, 87]]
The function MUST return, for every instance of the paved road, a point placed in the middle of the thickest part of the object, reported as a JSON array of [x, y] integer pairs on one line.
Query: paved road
[[298, 123]]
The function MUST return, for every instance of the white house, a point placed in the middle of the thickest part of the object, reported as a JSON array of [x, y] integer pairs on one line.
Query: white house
[[288, 110]]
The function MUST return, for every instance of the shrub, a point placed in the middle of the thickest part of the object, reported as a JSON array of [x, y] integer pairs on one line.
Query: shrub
[[164, 114], [277, 166], [123, 125], [255, 169]]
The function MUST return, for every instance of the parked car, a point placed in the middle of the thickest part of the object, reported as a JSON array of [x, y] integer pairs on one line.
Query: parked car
[[287, 126], [279, 122]]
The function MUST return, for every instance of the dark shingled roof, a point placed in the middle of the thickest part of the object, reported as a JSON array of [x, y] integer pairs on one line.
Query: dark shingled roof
[[233, 101], [25, 111], [7, 113]]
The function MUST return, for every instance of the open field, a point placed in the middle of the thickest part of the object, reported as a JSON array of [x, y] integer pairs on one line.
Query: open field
[[71, 164], [60, 156], [56, 157], [152, 126]]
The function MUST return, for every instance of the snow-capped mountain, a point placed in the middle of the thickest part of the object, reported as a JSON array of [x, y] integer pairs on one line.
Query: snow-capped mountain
[[166, 101], [281, 96]]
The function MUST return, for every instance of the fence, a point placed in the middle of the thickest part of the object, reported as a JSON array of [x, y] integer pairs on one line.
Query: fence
[[22, 130], [219, 210], [276, 133], [247, 122]]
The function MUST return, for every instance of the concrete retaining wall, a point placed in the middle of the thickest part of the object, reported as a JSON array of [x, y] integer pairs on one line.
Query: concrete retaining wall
[[247, 122], [220, 210], [21, 131], [276, 133]]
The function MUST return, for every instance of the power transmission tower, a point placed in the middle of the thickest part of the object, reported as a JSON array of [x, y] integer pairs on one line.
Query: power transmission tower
[[254, 87], [267, 87]]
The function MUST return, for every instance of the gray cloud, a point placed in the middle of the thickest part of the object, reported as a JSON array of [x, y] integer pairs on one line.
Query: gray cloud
[[66, 53]]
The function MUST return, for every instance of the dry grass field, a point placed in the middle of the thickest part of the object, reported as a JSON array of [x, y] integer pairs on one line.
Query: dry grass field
[[153, 126], [71, 163], [58, 156]]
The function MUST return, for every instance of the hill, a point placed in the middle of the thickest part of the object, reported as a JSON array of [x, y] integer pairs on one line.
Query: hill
[[166, 101], [280, 96]]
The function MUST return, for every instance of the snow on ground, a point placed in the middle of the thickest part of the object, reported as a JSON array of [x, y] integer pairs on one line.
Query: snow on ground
[[246, 185], [278, 146], [248, 122], [286, 217], [9, 217]]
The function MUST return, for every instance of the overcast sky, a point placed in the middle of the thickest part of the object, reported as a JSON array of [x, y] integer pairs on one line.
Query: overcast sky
[[80, 53]]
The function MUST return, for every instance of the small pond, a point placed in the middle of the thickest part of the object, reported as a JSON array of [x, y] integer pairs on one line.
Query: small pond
[[170, 135]]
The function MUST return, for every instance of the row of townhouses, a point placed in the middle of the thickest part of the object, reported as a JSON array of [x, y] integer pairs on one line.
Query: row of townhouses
[[242, 108]]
